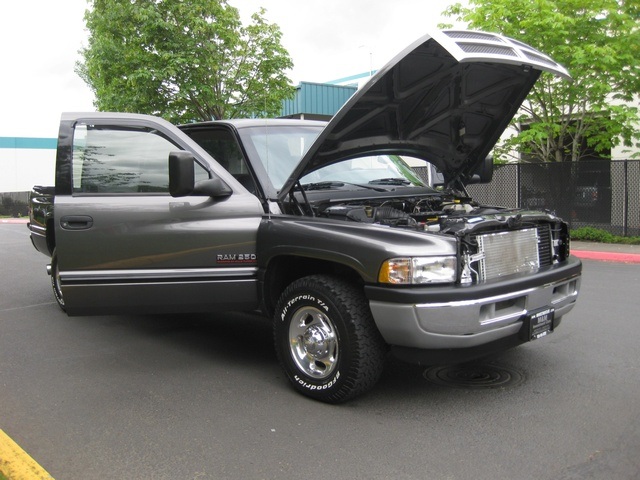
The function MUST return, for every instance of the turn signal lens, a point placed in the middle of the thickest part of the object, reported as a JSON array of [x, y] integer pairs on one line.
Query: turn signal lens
[[417, 271]]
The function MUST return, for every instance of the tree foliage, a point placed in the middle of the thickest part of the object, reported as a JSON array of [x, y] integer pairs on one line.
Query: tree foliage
[[598, 41], [184, 60]]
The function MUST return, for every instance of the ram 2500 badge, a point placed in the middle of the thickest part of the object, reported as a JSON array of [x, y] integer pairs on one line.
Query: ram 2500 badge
[[323, 227]]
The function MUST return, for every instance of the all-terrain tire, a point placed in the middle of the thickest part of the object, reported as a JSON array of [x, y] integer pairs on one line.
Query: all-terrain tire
[[326, 340]]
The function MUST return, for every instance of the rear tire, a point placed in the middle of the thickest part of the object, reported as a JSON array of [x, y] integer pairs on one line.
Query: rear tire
[[326, 340], [55, 282]]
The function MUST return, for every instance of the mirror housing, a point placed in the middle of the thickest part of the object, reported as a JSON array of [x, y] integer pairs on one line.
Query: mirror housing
[[182, 178], [181, 173], [214, 187], [483, 173]]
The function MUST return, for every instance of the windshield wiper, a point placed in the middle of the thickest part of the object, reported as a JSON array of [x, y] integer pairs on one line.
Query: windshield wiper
[[390, 181], [335, 184]]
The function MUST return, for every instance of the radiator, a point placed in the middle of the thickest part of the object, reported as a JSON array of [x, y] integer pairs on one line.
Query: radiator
[[516, 251]]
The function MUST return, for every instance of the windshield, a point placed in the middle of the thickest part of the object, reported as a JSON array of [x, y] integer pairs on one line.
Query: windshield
[[280, 148], [373, 170]]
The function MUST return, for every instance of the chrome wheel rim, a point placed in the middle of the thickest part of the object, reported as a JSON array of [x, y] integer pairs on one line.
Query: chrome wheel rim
[[313, 342]]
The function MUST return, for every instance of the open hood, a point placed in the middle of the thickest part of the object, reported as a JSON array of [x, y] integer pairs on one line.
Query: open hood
[[447, 98]]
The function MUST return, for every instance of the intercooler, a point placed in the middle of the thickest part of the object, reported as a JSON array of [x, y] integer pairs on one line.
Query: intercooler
[[516, 251]]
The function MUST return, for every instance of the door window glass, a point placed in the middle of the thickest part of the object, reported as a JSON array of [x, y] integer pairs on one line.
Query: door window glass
[[110, 159]]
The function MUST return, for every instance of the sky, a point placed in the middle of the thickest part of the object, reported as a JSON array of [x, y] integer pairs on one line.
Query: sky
[[326, 39]]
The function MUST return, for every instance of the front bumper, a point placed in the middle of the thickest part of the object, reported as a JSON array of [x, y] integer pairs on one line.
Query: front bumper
[[469, 317]]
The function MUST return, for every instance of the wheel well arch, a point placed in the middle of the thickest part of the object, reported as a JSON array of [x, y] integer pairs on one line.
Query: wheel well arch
[[284, 269]]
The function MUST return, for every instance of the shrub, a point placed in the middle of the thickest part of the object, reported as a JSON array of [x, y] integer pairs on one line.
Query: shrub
[[590, 234]]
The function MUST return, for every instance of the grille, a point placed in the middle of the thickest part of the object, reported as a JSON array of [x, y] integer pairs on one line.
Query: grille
[[507, 253], [545, 250]]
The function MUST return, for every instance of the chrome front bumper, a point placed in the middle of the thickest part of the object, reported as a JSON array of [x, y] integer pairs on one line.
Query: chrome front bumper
[[475, 320]]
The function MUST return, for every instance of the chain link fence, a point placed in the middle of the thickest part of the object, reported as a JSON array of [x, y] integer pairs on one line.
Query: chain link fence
[[596, 193]]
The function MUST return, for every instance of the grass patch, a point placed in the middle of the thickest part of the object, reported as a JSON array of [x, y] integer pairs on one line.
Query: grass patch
[[590, 234]]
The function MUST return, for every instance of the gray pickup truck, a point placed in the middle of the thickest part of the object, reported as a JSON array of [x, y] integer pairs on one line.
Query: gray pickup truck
[[321, 226]]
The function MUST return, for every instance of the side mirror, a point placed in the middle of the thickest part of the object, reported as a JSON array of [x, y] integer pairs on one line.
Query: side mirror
[[214, 187], [483, 172], [182, 178], [437, 178], [181, 174]]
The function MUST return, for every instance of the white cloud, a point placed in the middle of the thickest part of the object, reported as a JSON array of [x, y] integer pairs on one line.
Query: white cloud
[[40, 40], [327, 39]]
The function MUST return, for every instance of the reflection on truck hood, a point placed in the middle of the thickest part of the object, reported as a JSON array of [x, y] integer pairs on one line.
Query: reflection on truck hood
[[446, 98]]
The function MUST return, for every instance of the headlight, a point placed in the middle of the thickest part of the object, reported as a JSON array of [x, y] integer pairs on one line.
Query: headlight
[[420, 270]]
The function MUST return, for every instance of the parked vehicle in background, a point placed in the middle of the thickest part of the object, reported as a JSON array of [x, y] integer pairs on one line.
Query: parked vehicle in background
[[586, 196], [323, 227]]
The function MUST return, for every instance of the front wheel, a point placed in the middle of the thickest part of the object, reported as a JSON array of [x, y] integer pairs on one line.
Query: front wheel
[[326, 340]]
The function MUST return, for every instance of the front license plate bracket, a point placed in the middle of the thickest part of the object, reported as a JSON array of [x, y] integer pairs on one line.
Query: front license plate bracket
[[539, 324]]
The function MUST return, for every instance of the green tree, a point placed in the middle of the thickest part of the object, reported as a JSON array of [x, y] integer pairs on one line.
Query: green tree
[[598, 41], [183, 60]]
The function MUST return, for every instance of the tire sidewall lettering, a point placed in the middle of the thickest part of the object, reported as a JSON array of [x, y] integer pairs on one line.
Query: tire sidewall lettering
[[311, 387], [311, 299]]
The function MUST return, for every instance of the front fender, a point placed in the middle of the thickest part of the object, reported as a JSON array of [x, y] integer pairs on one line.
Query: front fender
[[361, 247]]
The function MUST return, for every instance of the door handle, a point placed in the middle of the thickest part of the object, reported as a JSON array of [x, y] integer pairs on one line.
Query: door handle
[[76, 222]]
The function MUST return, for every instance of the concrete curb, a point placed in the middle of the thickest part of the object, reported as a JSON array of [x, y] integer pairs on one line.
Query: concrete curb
[[607, 256], [606, 252], [14, 220]]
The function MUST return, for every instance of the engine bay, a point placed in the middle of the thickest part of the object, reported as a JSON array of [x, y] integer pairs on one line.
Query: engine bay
[[475, 226], [432, 213]]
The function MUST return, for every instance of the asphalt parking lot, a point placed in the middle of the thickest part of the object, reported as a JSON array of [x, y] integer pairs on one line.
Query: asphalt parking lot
[[202, 396]]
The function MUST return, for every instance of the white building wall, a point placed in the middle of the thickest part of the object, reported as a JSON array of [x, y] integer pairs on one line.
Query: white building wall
[[22, 168], [625, 153]]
